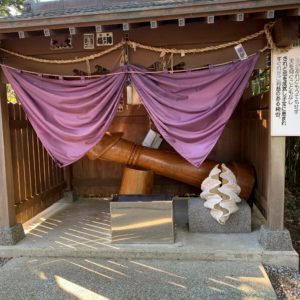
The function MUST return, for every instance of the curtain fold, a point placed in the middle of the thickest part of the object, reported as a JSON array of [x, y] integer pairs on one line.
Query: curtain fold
[[191, 109], [69, 116]]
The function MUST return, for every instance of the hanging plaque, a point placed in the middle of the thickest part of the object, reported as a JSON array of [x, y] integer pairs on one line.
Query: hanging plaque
[[285, 93], [88, 41], [105, 39]]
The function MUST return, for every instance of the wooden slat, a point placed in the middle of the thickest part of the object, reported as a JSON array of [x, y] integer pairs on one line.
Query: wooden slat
[[31, 154], [33, 206], [37, 174], [47, 172], [25, 143], [41, 165], [20, 157], [254, 143], [37, 181]]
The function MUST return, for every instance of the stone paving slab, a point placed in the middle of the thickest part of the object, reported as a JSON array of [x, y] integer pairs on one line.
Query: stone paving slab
[[90, 278], [82, 229]]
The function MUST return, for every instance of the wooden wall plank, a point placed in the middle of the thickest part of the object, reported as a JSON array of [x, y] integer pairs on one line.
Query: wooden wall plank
[[254, 143], [37, 181]]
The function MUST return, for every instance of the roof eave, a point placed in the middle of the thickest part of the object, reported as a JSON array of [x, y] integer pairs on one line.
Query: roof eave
[[219, 7]]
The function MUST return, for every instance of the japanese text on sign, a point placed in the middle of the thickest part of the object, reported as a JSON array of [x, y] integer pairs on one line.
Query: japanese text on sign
[[285, 93], [105, 39]]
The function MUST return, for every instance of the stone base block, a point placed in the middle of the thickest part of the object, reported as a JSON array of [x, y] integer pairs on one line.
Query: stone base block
[[200, 219], [148, 222], [275, 240], [69, 197], [11, 235]]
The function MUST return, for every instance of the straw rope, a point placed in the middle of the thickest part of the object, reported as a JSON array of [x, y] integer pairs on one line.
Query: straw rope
[[65, 61], [183, 52], [267, 31], [271, 45]]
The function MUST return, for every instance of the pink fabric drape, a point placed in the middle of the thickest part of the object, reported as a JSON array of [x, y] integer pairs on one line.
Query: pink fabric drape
[[190, 109], [69, 117]]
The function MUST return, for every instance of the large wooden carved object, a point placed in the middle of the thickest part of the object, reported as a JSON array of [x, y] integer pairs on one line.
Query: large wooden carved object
[[113, 148]]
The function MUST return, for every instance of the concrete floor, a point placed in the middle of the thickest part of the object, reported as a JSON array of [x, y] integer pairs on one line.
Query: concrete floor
[[99, 279], [82, 229]]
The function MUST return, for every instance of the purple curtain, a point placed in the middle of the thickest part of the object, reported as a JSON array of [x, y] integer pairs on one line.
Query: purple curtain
[[190, 109], [69, 117]]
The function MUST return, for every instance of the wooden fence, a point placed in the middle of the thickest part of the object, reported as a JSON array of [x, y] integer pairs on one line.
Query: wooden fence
[[38, 182], [255, 143]]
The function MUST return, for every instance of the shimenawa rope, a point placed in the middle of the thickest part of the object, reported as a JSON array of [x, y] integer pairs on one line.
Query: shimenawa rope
[[163, 51]]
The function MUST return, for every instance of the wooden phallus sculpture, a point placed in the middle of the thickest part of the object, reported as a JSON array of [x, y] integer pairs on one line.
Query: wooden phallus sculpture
[[170, 164]]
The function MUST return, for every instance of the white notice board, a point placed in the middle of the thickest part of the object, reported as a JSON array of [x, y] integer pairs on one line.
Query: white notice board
[[285, 93]]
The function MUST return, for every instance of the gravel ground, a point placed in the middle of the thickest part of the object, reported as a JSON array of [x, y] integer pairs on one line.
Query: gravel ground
[[3, 261], [285, 281]]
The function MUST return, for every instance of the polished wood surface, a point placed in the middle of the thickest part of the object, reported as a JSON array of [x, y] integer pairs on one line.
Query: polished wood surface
[[165, 163], [136, 182]]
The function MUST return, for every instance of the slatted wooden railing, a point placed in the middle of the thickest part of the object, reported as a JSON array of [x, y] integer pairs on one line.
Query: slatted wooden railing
[[38, 182]]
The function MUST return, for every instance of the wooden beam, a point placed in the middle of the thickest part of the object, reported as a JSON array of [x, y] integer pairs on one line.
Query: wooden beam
[[3, 36], [269, 14], [292, 12], [285, 32], [7, 208]]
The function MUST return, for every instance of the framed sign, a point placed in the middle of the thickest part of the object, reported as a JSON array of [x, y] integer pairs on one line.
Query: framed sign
[[285, 93], [105, 39], [61, 43], [88, 41]]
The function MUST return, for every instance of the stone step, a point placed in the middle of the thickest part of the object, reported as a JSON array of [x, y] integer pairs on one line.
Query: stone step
[[75, 278]]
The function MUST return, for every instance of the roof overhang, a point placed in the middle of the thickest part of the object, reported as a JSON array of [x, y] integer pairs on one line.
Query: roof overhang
[[142, 14]]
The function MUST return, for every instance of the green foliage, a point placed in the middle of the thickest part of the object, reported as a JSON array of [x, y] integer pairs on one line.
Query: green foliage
[[292, 203], [292, 199], [293, 161], [5, 4], [260, 81], [11, 96]]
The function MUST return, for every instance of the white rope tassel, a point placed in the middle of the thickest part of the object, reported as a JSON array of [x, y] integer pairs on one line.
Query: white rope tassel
[[220, 190]]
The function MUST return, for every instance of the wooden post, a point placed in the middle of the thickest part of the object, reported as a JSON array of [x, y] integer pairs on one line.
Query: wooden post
[[276, 181], [68, 174], [7, 210]]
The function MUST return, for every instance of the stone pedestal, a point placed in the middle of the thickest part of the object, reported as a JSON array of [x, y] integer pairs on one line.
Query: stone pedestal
[[69, 197], [148, 222], [200, 219], [11, 235], [275, 240]]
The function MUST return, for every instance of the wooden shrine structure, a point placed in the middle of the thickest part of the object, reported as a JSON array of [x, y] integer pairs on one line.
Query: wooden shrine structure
[[29, 179]]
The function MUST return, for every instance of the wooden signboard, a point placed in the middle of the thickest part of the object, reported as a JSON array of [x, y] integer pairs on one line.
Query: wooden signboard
[[285, 93]]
